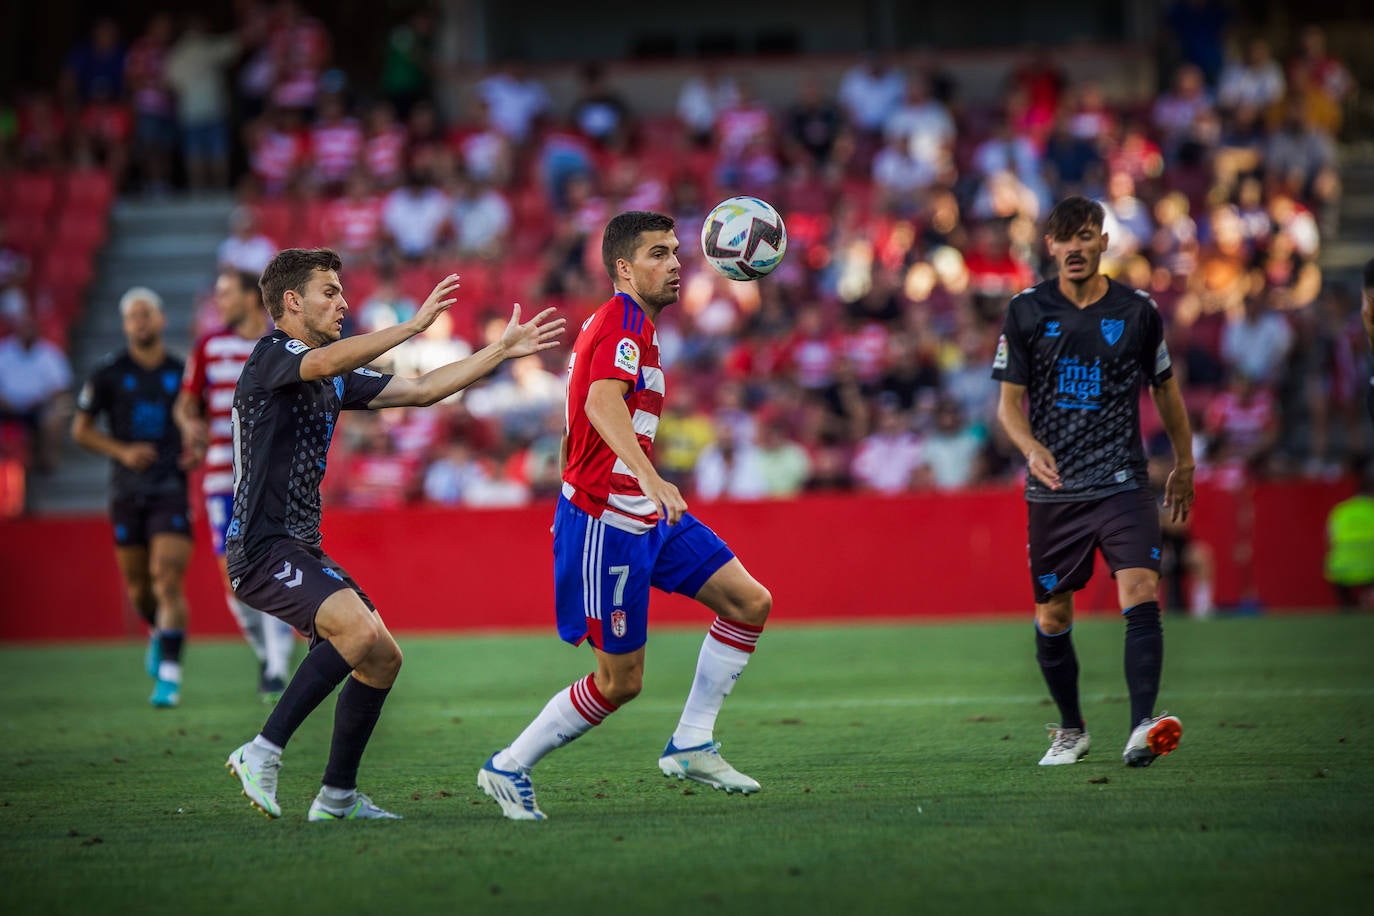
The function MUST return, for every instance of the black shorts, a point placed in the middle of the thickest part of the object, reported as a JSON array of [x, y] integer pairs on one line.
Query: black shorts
[[290, 581], [136, 519], [1064, 537]]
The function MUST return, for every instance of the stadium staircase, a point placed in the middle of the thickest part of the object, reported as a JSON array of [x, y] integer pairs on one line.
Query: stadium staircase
[[168, 245]]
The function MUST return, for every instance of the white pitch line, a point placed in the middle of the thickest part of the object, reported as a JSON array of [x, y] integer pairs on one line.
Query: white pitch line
[[744, 705]]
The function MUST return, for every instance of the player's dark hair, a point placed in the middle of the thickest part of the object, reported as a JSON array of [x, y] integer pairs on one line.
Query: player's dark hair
[[292, 269], [1072, 214], [246, 279], [621, 237], [1369, 275]]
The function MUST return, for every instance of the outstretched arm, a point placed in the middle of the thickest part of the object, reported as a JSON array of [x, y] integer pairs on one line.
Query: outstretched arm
[[1011, 412], [354, 352], [539, 333], [1178, 489]]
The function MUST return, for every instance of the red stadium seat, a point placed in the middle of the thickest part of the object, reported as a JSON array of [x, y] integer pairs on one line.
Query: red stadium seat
[[27, 231], [89, 190], [78, 229], [33, 193], [312, 233], [63, 270], [276, 220]]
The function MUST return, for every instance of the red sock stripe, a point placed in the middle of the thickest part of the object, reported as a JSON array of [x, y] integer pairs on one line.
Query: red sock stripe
[[589, 702], [741, 636]]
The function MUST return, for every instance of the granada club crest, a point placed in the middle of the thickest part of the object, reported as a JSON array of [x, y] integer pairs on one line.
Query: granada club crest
[[618, 623]]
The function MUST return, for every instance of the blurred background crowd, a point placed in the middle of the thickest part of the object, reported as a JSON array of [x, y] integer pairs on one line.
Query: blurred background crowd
[[861, 364]]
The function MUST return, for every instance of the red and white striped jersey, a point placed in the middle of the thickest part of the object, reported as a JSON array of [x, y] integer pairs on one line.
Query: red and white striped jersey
[[335, 148], [384, 155], [618, 342], [354, 225], [212, 372]]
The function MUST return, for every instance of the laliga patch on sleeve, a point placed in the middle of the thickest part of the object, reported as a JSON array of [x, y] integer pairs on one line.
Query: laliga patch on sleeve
[[1162, 360], [296, 346], [1000, 360], [369, 373], [627, 356]]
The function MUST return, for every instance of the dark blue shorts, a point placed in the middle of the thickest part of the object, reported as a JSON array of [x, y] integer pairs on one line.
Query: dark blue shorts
[[290, 581], [1064, 537], [602, 574], [137, 518]]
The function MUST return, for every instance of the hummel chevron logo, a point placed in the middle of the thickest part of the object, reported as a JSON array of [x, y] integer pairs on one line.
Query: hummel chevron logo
[[286, 573]]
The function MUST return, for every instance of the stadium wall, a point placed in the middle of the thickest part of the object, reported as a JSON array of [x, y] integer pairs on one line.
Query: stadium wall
[[825, 558]]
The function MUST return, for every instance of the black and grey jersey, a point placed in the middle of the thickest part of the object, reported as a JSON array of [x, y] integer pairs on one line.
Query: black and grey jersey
[[282, 429], [137, 405], [1083, 368]]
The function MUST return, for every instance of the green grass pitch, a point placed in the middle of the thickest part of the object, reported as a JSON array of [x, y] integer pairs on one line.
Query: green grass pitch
[[898, 766]]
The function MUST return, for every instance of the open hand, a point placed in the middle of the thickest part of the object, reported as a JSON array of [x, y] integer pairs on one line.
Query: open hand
[[539, 333], [1178, 493], [438, 302]]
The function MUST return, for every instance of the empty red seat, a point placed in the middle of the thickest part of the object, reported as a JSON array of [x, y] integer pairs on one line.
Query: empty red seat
[[33, 193], [90, 190], [81, 230], [276, 220]]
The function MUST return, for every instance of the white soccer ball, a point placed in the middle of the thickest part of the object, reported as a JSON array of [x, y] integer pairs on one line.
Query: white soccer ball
[[743, 238]]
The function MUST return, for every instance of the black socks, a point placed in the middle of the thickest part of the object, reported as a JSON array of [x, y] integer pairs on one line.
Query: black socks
[[319, 673], [1144, 658], [355, 715], [1059, 665]]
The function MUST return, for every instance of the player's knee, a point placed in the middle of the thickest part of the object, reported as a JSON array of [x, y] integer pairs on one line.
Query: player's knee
[[166, 582], [624, 687], [1135, 593], [757, 606], [751, 606], [1051, 624]]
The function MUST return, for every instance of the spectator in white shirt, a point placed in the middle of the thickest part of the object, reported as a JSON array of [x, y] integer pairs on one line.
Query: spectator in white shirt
[[246, 249], [888, 458], [729, 468], [870, 92], [196, 65], [1255, 82], [416, 216], [952, 453], [35, 389], [481, 218], [514, 101], [1256, 343]]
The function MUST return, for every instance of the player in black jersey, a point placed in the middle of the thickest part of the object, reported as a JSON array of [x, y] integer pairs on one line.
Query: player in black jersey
[[288, 398], [1078, 348], [135, 391]]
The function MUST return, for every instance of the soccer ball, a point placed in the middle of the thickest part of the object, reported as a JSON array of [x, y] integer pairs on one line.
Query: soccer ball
[[743, 238]]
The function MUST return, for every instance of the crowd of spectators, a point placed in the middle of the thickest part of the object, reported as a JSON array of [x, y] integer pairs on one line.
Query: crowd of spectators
[[863, 362]]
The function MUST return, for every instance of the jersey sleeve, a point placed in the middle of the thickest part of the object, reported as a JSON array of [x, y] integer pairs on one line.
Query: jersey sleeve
[[361, 386], [616, 355], [1012, 362], [94, 397], [193, 379], [1156, 363], [280, 363]]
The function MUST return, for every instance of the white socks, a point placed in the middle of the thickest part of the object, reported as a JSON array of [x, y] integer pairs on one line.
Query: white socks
[[568, 715], [718, 667], [280, 637], [250, 622], [272, 640]]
